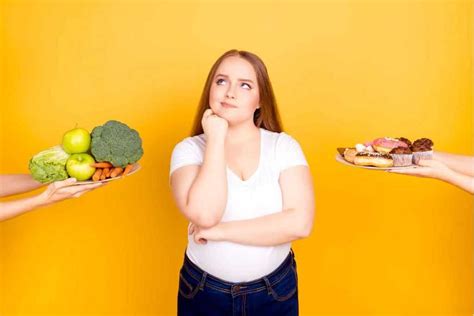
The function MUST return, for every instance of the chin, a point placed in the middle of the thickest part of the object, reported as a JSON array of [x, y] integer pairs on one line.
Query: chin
[[226, 116]]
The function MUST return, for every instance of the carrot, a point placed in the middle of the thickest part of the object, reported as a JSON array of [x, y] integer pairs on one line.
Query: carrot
[[101, 164], [107, 172], [116, 172], [104, 174], [128, 168], [97, 174]]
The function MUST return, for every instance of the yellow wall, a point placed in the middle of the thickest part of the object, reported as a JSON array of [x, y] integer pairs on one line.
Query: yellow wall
[[343, 72]]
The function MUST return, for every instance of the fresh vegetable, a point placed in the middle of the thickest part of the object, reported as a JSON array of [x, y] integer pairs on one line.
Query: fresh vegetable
[[49, 165], [97, 174], [128, 168], [116, 172], [105, 173], [116, 143], [102, 165]]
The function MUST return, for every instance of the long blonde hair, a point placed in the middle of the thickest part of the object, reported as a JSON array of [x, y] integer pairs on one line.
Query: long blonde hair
[[266, 116]]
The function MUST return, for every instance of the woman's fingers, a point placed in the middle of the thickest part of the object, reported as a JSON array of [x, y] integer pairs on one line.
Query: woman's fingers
[[75, 191], [405, 171], [429, 163], [78, 194], [61, 184], [207, 113], [197, 235], [416, 171], [199, 239]]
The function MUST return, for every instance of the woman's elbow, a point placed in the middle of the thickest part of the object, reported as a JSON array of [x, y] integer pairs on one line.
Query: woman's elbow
[[202, 219], [206, 220], [306, 227]]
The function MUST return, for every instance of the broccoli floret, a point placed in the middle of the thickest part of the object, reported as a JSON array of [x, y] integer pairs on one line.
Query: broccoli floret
[[116, 143]]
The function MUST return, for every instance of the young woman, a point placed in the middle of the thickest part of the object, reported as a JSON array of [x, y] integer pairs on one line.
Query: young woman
[[246, 189]]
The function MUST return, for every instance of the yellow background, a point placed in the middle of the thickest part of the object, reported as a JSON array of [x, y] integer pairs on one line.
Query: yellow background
[[343, 72]]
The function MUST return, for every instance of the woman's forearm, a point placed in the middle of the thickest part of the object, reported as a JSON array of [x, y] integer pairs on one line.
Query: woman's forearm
[[270, 230], [462, 181], [207, 196], [459, 163], [17, 183], [14, 208]]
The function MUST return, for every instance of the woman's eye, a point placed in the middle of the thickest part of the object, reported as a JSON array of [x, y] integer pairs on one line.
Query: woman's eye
[[220, 81], [246, 86]]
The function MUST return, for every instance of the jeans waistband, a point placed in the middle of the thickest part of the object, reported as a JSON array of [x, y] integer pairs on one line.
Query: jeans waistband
[[216, 283]]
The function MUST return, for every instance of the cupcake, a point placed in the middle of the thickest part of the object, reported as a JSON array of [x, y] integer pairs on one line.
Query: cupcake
[[406, 141], [402, 156], [422, 149]]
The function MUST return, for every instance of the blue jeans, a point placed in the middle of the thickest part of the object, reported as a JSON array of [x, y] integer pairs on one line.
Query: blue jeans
[[203, 294]]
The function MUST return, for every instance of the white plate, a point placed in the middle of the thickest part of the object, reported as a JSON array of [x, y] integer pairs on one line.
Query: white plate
[[135, 168], [341, 159]]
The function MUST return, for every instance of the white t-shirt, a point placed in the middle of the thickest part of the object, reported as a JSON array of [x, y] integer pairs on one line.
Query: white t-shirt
[[255, 197]]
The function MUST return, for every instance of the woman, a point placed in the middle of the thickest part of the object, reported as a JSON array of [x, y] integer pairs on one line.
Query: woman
[[20, 183], [246, 189]]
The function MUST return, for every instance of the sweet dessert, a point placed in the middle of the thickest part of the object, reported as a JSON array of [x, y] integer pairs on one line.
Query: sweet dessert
[[402, 156], [364, 147], [386, 152], [422, 149], [386, 144], [349, 154], [405, 140], [375, 159]]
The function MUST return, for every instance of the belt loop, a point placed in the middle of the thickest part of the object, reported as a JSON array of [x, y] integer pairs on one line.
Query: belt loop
[[267, 283], [203, 280]]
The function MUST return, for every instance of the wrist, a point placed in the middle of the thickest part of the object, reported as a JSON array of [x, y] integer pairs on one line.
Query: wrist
[[446, 174], [216, 139], [219, 232], [40, 200]]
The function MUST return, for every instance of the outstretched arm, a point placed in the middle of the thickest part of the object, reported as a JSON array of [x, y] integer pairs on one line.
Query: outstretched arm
[[11, 184], [56, 191], [459, 163], [438, 170]]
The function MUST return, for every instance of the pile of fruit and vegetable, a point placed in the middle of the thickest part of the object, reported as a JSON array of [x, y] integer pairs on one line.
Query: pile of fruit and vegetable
[[110, 151]]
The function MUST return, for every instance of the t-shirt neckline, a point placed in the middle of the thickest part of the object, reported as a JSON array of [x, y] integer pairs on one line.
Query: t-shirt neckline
[[254, 174]]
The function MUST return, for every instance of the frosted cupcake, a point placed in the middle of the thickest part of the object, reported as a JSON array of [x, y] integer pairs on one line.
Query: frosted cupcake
[[422, 149], [402, 156], [406, 141]]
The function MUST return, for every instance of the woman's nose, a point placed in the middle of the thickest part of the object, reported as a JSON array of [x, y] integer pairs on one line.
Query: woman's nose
[[230, 92]]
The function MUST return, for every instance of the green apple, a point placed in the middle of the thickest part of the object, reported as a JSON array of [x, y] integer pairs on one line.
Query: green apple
[[76, 141], [79, 166]]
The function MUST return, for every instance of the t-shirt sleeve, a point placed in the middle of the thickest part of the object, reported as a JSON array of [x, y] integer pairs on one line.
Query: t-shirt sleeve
[[289, 152], [185, 153]]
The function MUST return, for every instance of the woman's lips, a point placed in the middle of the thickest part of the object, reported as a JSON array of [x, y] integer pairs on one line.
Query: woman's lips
[[227, 105]]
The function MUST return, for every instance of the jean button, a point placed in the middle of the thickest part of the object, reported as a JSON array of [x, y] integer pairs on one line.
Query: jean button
[[236, 288]]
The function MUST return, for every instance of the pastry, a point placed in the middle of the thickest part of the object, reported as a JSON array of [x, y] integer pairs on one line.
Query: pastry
[[385, 145], [373, 159], [402, 156]]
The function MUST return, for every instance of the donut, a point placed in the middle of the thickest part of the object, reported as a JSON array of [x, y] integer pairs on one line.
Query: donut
[[385, 145], [349, 154], [373, 159]]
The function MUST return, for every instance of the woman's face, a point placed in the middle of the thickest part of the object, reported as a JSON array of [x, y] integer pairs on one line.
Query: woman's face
[[234, 91]]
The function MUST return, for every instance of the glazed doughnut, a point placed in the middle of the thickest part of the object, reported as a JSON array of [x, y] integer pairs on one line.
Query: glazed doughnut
[[385, 145]]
